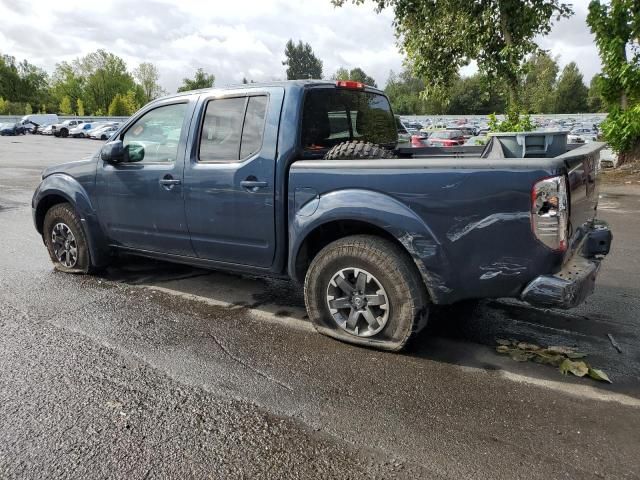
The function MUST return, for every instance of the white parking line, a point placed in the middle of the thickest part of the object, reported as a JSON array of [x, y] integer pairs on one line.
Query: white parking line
[[256, 312], [582, 391]]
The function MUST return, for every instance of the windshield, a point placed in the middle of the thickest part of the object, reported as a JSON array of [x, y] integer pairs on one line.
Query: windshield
[[332, 116]]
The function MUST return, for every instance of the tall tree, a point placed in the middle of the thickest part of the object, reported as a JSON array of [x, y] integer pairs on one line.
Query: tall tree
[[65, 106], [616, 25], [106, 75], [301, 62], [201, 79], [406, 94], [356, 74], [595, 100], [440, 36], [147, 76], [571, 94], [67, 81], [539, 84], [475, 95]]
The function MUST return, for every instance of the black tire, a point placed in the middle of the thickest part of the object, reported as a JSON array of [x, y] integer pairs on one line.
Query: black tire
[[63, 214], [388, 266], [357, 151], [64, 133]]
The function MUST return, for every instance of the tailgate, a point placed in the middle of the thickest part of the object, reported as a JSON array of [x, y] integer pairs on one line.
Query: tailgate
[[582, 171]]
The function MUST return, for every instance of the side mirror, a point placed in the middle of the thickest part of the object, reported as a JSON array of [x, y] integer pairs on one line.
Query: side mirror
[[113, 152]]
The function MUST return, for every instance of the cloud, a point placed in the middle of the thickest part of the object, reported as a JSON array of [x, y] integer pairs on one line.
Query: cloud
[[230, 39]]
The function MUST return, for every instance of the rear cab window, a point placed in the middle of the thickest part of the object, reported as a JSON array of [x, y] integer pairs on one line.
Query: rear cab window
[[233, 129], [335, 115]]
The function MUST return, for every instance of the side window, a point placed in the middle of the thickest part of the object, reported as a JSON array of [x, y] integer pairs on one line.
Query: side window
[[220, 140], [154, 137], [253, 126], [232, 128]]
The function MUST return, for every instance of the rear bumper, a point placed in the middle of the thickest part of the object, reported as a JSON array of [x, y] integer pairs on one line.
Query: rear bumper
[[575, 282]]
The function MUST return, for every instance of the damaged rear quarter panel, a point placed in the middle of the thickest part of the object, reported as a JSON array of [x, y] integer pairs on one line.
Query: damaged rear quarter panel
[[468, 229]]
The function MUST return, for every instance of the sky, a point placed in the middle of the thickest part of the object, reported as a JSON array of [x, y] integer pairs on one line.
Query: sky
[[233, 39]]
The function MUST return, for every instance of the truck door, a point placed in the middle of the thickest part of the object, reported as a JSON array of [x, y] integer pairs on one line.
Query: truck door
[[141, 201], [230, 175]]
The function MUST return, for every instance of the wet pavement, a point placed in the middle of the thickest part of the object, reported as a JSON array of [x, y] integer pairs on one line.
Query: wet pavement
[[154, 370]]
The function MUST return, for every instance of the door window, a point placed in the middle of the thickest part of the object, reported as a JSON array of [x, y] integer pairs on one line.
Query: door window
[[155, 136], [232, 129]]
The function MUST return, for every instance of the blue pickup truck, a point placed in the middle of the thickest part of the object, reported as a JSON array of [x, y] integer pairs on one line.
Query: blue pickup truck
[[303, 179]]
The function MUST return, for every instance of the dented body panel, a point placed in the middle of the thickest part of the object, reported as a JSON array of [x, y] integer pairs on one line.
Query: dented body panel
[[465, 221]]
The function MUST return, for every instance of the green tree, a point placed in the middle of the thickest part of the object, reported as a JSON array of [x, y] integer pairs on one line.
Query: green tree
[[27, 109], [3, 106], [106, 76], [616, 26], [201, 79], [539, 85], [147, 76], [475, 95], [80, 107], [440, 36], [356, 74], [301, 62], [67, 81], [571, 92], [119, 106], [595, 100], [65, 106]]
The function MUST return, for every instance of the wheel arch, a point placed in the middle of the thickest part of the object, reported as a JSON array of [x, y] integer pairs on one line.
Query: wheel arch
[[61, 188], [363, 212]]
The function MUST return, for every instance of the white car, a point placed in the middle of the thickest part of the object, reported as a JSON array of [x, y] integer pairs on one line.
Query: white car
[[80, 131], [104, 132]]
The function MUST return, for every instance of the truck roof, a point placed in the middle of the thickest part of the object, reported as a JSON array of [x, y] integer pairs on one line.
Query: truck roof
[[287, 84]]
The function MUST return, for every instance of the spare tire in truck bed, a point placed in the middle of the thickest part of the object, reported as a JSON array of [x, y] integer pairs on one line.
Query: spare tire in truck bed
[[357, 150]]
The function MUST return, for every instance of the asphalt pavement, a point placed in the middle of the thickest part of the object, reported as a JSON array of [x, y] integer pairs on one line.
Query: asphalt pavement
[[154, 370]]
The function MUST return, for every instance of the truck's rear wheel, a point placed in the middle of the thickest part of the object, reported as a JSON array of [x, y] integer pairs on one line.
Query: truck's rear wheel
[[357, 151], [365, 290], [65, 240]]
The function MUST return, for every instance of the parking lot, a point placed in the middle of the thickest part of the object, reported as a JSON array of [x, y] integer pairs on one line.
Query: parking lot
[[152, 370]]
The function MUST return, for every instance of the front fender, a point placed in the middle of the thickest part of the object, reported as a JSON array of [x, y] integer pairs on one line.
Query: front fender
[[384, 212], [64, 186]]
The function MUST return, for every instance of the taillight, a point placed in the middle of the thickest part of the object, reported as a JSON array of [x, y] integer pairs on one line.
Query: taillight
[[550, 212]]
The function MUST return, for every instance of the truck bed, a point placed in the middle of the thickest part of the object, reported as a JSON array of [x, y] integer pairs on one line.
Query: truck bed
[[466, 218]]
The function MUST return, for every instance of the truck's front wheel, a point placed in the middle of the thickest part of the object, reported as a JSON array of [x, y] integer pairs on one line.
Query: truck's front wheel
[[366, 290], [65, 240]]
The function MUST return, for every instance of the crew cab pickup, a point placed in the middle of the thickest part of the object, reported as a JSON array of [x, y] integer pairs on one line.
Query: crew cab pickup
[[302, 179]]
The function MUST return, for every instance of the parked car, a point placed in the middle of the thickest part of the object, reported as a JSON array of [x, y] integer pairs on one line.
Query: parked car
[[446, 138], [266, 180], [80, 131], [47, 130], [420, 140], [12, 129], [62, 129], [103, 133], [582, 135]]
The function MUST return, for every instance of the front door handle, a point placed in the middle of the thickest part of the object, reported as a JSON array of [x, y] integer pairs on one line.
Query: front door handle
[[252, 184], [168, 182]]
